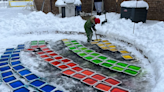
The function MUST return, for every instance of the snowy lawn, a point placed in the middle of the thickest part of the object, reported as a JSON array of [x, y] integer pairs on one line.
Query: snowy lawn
[[19, 26]]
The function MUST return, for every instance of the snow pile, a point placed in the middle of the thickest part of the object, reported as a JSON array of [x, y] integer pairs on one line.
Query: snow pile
[[77, 2], [60, 3], [63, 2], [135, 4]]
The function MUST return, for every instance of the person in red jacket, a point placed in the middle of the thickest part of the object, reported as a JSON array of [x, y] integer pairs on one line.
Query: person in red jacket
[[90, 23]]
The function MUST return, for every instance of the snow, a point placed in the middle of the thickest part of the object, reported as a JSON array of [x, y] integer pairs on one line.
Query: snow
[[135, 4], [63, 2], [18, 26]]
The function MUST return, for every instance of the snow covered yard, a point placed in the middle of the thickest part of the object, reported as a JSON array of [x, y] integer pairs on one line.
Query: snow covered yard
[[19, 26]]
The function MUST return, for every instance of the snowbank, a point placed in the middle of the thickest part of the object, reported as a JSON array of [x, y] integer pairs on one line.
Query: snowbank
[[135, 4]]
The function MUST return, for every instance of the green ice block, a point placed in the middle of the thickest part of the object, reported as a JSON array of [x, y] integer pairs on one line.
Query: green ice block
[[76, 51], [34, 41], [74, 41], [83, 48], [71, 48], [97, 61], [95, 54], [134, 67], [88, 51], [82, 54], [122, 64], [34, 44], [111, 61], [102, 57], [68, 44], [42, 41], [131, 72], [106, 65], [79, 46], [117, 68], [89, 57]]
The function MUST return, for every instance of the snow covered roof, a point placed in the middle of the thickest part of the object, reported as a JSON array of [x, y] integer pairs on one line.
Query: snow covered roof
[[135, 4], [63, 2]]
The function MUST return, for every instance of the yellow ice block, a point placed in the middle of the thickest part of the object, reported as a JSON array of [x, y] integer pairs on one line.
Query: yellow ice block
[[124, 52], [104, 48], [101, 45], [64, 39], [94, 42], [127, 57], [97, 40], [105, 41], [112, 46], [113, 50]]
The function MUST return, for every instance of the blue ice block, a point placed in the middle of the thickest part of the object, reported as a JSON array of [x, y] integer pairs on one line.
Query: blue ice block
[[5, 56], [9, 79], [37, 83], [16, 84], [19, 48], [4, 68], [8, 52], [4, 59], [24, 72], [4, 63], [22, 89], [18, 67], [16, 51], [48, 88], [21, 45], [15, 58], [7, 73], [9, 49], [14, 55], [31, 77], [15, 63]]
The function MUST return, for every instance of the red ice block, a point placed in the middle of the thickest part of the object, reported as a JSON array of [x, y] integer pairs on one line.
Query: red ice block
[[53, 54], [50, 51], [62, 67], [68, 72], [49, 59], [119, 90], [77, 69], [87, 72], [42, 46], [65, 60], [45, 49], [104, 87], [78, 76], [112, 81], [40, 53], [55, 63], [90, 81], [71, 64], [98, 77], [58, 58], [44, 56], [34, 47], [29, 50]]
